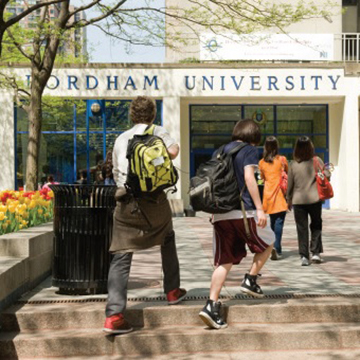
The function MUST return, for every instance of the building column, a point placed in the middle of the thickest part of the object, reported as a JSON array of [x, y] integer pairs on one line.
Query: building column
[[350, 178], [171, 122], [7, 142]]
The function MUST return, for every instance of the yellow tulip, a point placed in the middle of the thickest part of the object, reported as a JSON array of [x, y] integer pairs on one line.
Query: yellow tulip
[[32, 204], [40, 211], [2, 216], [12, 208], [8, 222], [27, 201], [3, 208]]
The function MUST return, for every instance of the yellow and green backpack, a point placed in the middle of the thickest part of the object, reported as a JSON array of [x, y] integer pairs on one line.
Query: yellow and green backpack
[[150, 167]]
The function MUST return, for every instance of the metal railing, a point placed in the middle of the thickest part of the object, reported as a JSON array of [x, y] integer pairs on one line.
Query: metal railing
[[350, 47]]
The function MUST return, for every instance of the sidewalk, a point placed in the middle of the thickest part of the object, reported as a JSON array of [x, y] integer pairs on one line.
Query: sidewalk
[[338, 274]]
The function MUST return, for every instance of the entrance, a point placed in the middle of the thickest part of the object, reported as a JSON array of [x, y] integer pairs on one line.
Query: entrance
[[211, 126]]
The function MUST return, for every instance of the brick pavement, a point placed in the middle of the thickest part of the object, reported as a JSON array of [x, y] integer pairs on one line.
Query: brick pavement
[[338, 274]]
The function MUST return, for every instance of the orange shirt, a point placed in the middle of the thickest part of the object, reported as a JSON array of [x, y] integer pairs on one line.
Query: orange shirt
[[273, 198]]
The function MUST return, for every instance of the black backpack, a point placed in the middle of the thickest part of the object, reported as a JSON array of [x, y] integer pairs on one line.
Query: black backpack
[[214, 189]]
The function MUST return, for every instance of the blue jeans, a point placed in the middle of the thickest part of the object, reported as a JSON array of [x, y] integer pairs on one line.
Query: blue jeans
[[277, 223]]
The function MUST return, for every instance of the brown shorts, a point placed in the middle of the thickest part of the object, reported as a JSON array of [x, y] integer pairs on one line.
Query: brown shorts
[[230, 239]]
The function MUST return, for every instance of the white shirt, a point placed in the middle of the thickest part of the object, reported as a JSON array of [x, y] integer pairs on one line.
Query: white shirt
[[119, 159]]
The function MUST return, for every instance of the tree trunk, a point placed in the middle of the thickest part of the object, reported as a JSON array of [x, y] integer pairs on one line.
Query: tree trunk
[[35, 123]]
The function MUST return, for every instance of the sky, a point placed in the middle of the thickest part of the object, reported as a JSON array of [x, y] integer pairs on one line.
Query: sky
[[104, 49]]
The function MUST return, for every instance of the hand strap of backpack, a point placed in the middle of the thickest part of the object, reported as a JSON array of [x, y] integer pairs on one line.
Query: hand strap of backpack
[[246, 223]]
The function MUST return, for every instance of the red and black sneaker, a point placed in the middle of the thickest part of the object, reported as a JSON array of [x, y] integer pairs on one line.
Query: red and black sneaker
[[175, 296], [116, 324]]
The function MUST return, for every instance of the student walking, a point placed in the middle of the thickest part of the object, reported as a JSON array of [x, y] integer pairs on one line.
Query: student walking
[[230, 237], [274, 202], [303, 197], [139, 223]]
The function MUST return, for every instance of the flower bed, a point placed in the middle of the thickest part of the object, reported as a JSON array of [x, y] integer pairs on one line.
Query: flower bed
[[23, 209]]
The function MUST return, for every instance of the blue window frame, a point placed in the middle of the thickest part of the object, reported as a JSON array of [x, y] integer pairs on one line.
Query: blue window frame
[[74, 138]]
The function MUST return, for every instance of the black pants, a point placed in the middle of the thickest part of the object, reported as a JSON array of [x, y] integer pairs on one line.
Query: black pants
[[120, 270], [302, 213]]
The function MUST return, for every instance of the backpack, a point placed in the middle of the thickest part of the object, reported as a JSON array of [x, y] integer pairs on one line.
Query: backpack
[[150, 167], [214, 189]]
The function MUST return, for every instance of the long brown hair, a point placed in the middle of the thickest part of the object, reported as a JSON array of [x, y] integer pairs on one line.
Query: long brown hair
[[271, 149], [304, 149]]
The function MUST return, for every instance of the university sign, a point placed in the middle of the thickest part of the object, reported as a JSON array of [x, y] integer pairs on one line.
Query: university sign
[[204, 83]]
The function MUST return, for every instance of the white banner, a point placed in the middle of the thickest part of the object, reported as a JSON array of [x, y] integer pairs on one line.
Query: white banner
[[310, 47]]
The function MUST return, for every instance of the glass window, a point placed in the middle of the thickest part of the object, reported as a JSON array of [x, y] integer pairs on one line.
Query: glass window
[[96, 144], [21, 145], [56, 157], [263, 115], [216, 112], [80, 115], [117, 114], [301, 119], [81, 149], [288, 141], [202, 127], [22, 121], [209, 142], [58, 116]]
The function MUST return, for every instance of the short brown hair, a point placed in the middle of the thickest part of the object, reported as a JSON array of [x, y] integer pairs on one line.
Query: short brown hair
[[304, 149], [271, 149], [247, 131], [143, 110]]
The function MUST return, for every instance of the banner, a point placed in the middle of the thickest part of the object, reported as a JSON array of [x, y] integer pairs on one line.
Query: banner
[[307, 47]]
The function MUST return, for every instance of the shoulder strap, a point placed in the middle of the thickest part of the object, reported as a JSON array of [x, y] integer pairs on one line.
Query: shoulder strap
[[282, 161], [150, 129], [316, 164], [237, 148]]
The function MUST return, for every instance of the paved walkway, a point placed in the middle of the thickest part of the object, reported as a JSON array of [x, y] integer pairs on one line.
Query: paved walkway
[[338, 274]]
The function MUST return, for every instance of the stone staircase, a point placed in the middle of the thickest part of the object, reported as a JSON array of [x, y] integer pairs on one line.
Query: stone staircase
[[278, 328], [25, 261]]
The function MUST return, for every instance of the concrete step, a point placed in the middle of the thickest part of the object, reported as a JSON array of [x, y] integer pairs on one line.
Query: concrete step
[[349, 354], [82, 315], [13, 276], [181, 339]]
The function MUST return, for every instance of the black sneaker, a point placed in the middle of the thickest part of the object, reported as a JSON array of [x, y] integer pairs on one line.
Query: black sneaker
[[210, 315], [250, 287]]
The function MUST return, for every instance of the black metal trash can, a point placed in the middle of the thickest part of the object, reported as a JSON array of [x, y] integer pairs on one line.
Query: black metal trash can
[[83, 219]]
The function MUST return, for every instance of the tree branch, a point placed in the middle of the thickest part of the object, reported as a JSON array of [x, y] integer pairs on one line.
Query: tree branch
[[28, 11]]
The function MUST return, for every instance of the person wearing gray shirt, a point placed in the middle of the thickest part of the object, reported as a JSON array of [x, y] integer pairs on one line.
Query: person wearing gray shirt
[[302, 196]]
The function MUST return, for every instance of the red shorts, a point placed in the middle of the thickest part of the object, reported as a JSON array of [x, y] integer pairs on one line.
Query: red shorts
[[230, 239]]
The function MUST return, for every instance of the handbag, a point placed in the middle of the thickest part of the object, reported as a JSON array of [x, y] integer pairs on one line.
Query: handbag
[[324, 187], [283, 177]]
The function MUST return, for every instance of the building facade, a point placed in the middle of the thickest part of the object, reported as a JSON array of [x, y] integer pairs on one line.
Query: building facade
[[199, 105], [76, 42]]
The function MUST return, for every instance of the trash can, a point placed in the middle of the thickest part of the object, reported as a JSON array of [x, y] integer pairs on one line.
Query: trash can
[[83, 219]]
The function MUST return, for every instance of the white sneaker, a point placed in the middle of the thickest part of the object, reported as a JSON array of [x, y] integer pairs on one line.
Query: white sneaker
[[316, 259], [304, 261]]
